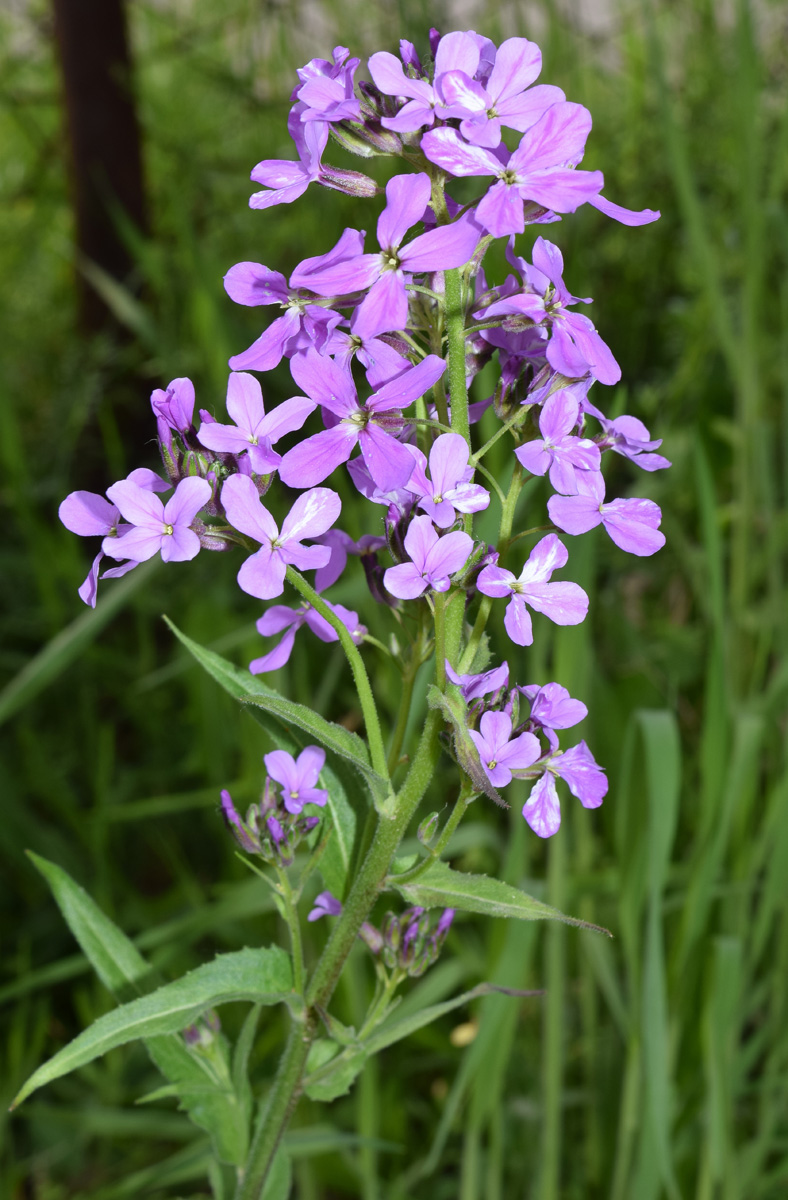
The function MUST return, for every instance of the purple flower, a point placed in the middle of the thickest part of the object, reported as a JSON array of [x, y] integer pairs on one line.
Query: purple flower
[[174, 408], [279, 618], [502, 100], [455, 52], [629, 437], [390, 463], [302, 326], [326, 905], [540, 170], [556, 451], [326, 91], [297, 777], [90, 515], [499, 752], [433, 560], [632, 524], [575, 347], [263, 573], [254, 431], [473, 687], [564, 603], [451, 486], [156, 526], [283, 179], [407, 196], [382, 361], [552, 708], [585, 779]]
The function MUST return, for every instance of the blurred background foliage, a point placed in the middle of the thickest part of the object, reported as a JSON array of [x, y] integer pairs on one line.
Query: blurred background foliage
[[657, 1063]]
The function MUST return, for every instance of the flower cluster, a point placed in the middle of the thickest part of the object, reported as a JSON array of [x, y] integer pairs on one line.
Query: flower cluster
[[364, 328], [407, 944], [274, 827]]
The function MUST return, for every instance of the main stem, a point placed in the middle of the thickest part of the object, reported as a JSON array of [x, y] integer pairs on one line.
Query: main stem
[[284, 1094]]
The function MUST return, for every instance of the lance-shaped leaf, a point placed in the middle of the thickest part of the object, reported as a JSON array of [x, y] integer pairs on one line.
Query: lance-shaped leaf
[[263, 976], [283, 714], [125, 973], [440, 886], [452, 705]]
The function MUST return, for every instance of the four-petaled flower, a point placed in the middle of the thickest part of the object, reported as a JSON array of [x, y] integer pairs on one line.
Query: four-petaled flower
[[390, 463], [263, 574], [157, 526], [450, 488], [585, 779], [499, 752], [433, 560], [564, 603], [557, 452], [632, 524], [254, 430], [297, 777]]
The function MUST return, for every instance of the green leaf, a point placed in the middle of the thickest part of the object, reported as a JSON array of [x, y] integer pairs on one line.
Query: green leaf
[[440, 886], [263, 976], [336, 1077], [124, 971], [114, 957], [279, 1183], [333, 1074], [338, 854], [283, 714]]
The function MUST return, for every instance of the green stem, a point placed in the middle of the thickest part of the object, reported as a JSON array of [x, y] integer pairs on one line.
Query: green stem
[[365, 697], [294, 925], [455, 336], [406, 697], [378, 1010], [439, 603], [367, 885], [457, 813], [275, 1113]]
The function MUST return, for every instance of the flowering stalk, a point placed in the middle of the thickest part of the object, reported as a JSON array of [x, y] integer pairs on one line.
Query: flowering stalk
[[383, 344]]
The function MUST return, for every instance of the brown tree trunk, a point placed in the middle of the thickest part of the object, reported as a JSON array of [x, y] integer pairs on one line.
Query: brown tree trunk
[[104, 140]]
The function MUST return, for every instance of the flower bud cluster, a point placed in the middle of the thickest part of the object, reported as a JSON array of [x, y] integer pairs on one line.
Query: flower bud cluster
[[406, 944], [275, 825], [410, 942]]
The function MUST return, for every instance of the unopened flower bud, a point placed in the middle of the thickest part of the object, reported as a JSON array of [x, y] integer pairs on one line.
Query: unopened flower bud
[[428, 829], [367, 141], [352, 183], [246, 837]]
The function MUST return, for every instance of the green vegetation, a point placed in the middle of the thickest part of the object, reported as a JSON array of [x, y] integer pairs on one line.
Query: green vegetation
[[656, 1065]]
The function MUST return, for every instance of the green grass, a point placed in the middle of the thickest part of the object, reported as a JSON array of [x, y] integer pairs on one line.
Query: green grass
[[656, 1064]]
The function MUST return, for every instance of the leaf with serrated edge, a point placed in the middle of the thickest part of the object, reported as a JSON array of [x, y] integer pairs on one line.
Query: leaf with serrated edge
[[263, 976], [440, 886]]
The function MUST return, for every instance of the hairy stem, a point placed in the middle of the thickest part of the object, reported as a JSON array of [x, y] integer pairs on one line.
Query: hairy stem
[[275, 1113], [294, 925]]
